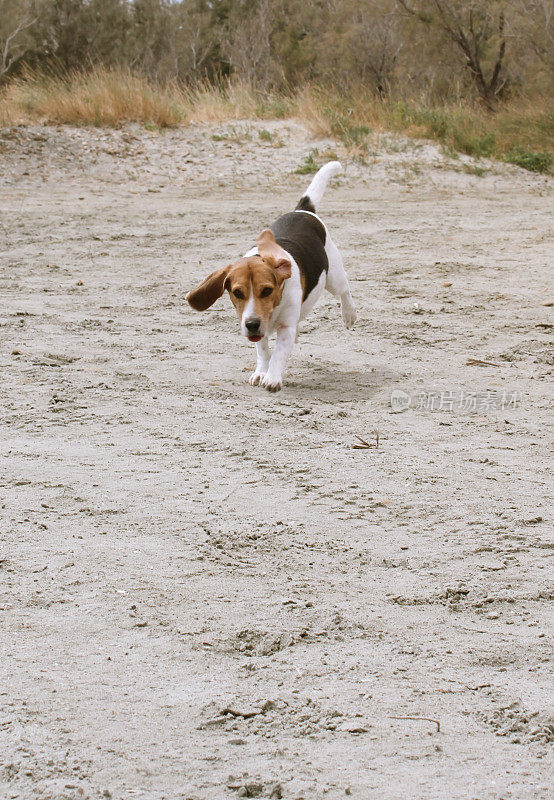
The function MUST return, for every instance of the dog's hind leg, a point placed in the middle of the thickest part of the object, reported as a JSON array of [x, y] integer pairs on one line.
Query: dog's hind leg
[[337, 283]]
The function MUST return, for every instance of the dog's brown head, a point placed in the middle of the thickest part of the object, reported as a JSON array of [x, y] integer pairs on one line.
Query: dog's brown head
[[254, 283]]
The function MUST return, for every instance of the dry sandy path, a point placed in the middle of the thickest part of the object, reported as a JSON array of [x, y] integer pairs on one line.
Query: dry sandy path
[[176, 543]]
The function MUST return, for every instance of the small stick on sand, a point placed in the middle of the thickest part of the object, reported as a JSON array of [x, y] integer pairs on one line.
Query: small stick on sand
[[476, 362], [366, 445]]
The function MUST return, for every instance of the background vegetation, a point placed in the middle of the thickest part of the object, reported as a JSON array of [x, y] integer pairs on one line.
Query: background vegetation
[[475, 74]]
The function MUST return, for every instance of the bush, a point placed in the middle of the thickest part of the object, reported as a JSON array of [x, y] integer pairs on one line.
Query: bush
[[309, 165], [478, 146], [534, 162]]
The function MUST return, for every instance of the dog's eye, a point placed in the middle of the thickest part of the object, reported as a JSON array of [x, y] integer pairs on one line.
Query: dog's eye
[[238, 294], [266, 291]]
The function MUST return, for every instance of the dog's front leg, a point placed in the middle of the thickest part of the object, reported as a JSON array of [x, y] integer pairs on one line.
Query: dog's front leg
[[262, 363], [273, 379]]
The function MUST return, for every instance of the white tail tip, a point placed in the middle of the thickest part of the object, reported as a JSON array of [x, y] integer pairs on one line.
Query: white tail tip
[[320, 180]]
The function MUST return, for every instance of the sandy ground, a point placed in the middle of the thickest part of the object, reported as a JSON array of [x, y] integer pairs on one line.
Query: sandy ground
[[207, 593]]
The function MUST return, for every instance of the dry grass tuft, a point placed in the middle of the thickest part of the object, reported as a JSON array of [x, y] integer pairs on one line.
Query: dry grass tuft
[[100, 97], [111, 97], [521, 132], [220, 103]]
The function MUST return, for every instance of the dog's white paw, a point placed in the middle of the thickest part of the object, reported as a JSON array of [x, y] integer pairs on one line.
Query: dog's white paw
[[349, 316], [256, 377], [273, 383]]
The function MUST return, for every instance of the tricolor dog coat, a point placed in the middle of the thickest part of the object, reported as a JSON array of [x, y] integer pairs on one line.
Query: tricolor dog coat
[[278, 282]]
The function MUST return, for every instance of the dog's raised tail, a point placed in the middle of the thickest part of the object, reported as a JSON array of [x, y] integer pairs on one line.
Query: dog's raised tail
[[313, 194]]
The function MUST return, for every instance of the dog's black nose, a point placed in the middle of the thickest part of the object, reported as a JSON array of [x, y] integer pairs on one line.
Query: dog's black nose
[[252, 324]]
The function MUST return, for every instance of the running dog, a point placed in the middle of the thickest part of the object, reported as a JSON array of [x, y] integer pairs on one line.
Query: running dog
[[278, 282]]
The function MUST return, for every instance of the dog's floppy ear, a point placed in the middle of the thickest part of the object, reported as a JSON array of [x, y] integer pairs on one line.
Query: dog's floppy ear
[[209, 290], [274, 255], [282, 267]]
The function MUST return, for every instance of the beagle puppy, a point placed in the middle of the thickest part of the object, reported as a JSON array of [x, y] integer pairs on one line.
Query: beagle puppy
[[278, 282]]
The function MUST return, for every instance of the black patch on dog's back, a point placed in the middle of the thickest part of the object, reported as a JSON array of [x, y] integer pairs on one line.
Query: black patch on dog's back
[[305, 204], [303, 236]]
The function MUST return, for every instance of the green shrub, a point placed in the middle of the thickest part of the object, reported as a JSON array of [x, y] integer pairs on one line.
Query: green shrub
[[352, 135], [534, 162], [473, 169], [309, 165], [478, 146]]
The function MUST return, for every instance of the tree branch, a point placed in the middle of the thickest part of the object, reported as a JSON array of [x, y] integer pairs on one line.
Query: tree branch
[[6, 60]]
